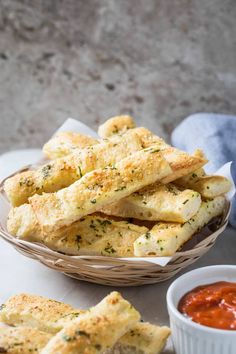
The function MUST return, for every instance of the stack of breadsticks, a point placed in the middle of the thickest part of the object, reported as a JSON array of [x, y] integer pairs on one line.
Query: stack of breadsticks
[[127, 194], [34, 324]]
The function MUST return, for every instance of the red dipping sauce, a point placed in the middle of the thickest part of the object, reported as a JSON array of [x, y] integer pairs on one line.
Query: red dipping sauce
[[212, 305]]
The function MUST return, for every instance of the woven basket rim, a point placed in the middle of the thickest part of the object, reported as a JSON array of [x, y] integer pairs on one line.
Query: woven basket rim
[[45, 251]]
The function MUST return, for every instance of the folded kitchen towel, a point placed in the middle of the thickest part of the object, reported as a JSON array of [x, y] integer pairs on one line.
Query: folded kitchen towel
[[216, 135]]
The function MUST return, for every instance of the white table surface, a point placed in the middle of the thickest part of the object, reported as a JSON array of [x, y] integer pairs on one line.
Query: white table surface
[[20, 274]]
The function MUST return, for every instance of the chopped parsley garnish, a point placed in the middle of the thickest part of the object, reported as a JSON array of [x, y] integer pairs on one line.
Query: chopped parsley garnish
[[2, 307], [186, 201], [98, 346], [104, 222], [109, 248], [46, 170], [120, 189], [26, 182], [82, 333], [80, 172], [154, 150]]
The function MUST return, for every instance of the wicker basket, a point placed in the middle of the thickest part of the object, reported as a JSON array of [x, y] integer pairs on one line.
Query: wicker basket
[[119, 272]]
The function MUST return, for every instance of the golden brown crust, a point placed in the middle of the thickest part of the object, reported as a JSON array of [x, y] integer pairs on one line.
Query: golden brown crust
[[99, 188], [164, 239], [63, 143], [22, 340], [208, 186], [116, 125], [157, 202], [92, 235], [42, 313], [95, 235], [97, 330], [143, 338], [62, 172], [181, 163], [37, 312]]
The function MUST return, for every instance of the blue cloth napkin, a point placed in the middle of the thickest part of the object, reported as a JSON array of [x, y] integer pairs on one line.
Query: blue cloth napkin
[[216, 135]]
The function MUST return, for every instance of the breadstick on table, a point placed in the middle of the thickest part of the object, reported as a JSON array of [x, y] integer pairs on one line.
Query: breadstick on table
[[116, 125], [24, 340], [63, 143], [51, 316], [164, 239], [62, 172], [157, 202], [91, 235], [37, 312], [143, 338], [98, 188], [97, 330]]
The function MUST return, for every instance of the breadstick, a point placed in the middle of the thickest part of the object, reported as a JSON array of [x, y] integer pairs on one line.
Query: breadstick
[[91, 235], [165, 239], [37, 312], [24, 340], [157, 202], [51, 316], [97, 330], [98, 188], [208, 186], [62, 172], [63, 143], [116, 125]]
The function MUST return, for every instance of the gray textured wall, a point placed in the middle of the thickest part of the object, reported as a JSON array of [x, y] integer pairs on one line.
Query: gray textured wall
[[159, 60]]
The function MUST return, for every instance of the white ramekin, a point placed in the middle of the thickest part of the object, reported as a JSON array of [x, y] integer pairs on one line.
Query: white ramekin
[[190, 337]]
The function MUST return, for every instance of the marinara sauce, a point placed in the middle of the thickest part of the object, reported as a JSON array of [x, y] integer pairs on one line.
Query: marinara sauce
[[212, 305]]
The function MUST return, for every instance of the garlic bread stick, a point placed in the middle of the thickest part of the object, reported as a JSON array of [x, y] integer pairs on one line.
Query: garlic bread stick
[[157, 202], [37, 312], [143, 338], [97, 330], [181, 162], [62, 172], [51, 316], [116, 125], [91, 235], [208, 186], [63, 143], [98, 188], [22, 340], [164, 239]]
